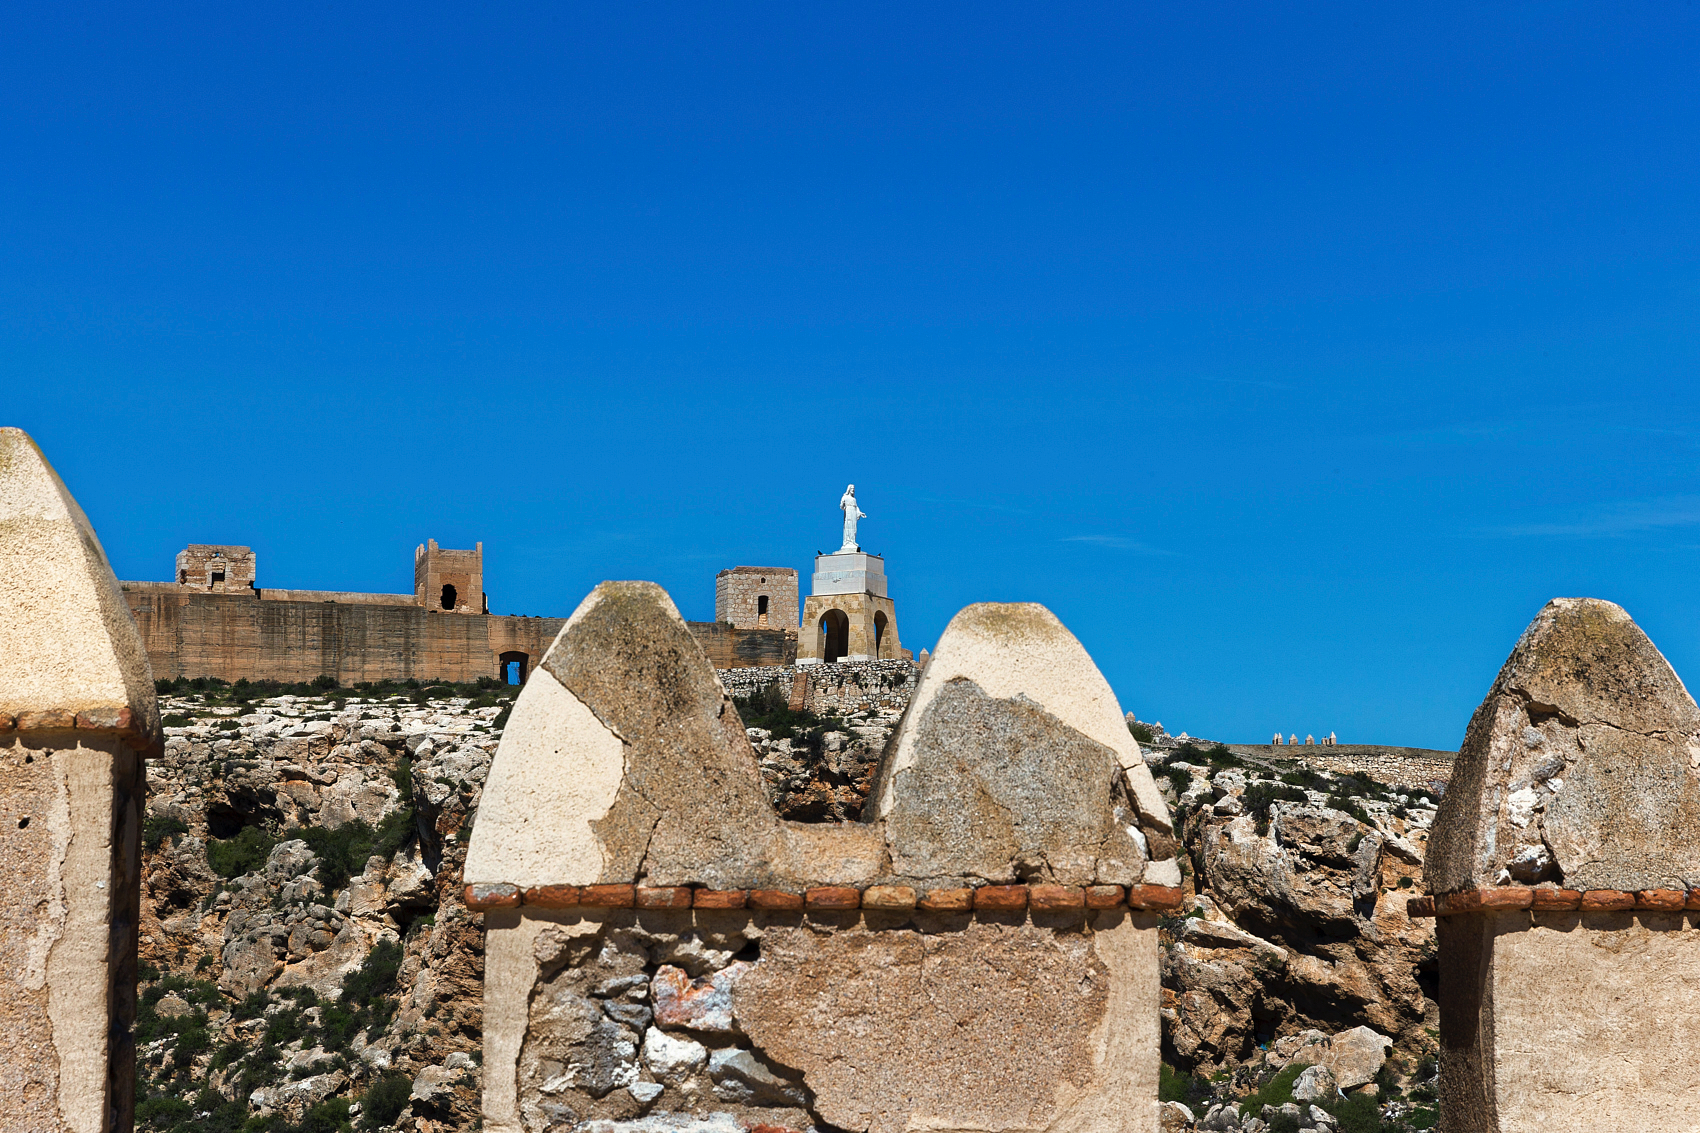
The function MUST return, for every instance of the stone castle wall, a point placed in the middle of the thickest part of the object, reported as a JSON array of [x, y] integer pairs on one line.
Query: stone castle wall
[[729, 647], [236, 636], [832, 690], [1396, 766], [297, 635]]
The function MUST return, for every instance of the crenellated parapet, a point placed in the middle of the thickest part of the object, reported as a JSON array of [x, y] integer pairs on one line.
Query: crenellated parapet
[[661, 942]]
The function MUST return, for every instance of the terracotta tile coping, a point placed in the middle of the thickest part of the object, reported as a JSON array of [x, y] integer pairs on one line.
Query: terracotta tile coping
[[1549, 900], [120, 722], [828, 898]]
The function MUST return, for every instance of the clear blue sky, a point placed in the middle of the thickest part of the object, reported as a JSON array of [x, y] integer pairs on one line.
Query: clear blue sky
[[1294, 355]]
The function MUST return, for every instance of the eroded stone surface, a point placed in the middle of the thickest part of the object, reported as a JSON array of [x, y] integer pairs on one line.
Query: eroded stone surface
[[939, 1029], [1000, 789], [1581, 767], [71, 856]]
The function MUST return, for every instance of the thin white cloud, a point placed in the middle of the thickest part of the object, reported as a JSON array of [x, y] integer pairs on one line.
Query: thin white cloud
[[1117, 542], [1626, 518]]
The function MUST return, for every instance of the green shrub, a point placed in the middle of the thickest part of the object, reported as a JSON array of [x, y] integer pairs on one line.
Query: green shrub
[[384, 1100], [174, 720], [329, 1116], [1174, 1086], [1349, 805], [157, 828], [245, 853], [162, 1112], [1142, 733], [343, 852], [1278, 1091], [770, 709], [1259, 796]]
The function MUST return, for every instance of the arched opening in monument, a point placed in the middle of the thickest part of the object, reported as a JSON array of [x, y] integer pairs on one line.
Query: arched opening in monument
[[449, 596], [879, 634], [835, 635], [761, 611], [513, 666]]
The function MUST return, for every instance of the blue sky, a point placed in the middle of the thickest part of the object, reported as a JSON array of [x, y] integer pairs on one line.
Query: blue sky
[[1293, 355]]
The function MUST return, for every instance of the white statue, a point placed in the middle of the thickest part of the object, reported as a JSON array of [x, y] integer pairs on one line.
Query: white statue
[[851, 514]]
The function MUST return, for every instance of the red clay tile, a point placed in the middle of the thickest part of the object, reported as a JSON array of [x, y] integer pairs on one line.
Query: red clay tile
[[608, 896], [488, 895], [46, 720], [1000, 898], [1156, 897], [1547, 900], [896, 897], [1607, 901], [552, 896], [836, 897], [1661, 900], [946, 901], [1104, 896], [775, 899], [721, 898], [1507, 897], [1056, 898], [663, 897]]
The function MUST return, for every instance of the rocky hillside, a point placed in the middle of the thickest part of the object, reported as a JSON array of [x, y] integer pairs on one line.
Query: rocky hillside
[[1295, 951], [308, 966], [306, 958]]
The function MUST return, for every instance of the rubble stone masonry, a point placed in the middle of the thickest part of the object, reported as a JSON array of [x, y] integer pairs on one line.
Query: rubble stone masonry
[[757, 597]]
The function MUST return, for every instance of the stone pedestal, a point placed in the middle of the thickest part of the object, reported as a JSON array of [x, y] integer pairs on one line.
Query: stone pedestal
[[849, 616]]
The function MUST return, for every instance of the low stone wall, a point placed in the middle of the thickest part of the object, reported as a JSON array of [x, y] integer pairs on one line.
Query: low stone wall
[[838, 689], [681, 958], [1396, 766]]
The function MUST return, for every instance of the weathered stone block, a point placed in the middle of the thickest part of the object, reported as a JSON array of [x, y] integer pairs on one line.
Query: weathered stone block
[[76, 690], [1579, 1013]]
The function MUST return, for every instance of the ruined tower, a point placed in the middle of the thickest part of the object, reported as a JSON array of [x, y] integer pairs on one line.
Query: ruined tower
[[754, 597], [216, 567], [448, 581]]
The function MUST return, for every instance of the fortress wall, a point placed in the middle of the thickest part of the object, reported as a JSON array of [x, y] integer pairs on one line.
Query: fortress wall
[[1396, 766], [833, 690], [344, 596], [368, 637], [235, 636], [731, 648]]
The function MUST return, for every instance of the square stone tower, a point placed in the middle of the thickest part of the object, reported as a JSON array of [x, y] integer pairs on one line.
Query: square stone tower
[[849, 616], [450, 582], [753, 597], [218, 568]]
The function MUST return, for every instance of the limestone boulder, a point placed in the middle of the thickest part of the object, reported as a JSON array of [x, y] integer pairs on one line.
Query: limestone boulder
[[1174, 1117], [1352, 1058], [1315, 1083], [1586, 750], [1259, 883]]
